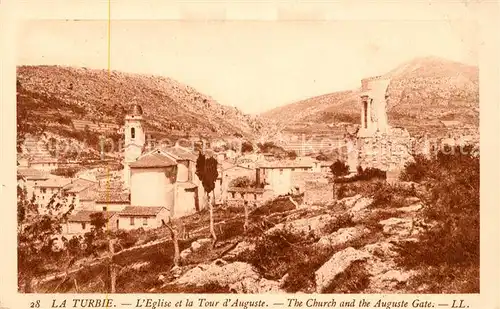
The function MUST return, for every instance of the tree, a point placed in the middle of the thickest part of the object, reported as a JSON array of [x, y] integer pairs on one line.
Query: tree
[[246, 147], [174, 233], [339, 168], [206, 170], [292, 154], [242, 182], [37, 234]]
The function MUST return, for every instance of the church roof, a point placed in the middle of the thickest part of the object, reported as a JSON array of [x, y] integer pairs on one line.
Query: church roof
[[181, 153], [153, 159]]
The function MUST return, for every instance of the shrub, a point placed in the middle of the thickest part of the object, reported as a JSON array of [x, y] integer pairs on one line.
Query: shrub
[[127, 239], [246, 147], [274, 254], [280, 204], [353, 280], [342, 221], [391, 196], [452, 243], [242, 182], [65, 171], [292, 154], [339, 168]]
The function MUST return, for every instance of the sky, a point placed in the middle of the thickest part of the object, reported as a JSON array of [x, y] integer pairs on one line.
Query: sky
[[255, 64]]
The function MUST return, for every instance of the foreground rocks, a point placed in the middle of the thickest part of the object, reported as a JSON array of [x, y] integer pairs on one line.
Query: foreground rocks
[[342, 236], [336, 265], [312, 226], [195, 246], [238, 276]]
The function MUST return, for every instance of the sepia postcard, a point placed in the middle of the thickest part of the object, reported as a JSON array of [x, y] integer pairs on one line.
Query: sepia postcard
[[282, 154]]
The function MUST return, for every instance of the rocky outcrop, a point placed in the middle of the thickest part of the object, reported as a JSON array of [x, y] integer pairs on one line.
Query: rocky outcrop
[[312, 226], [401, 227], [195, 246], [238, 276], [337, 264], [342, 236], [240, 248]]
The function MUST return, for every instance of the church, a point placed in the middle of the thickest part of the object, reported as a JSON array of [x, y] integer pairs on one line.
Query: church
[[163, 176]]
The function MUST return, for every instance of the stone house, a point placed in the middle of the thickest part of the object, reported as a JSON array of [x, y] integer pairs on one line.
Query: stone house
[[29, 178], [111, 200], [278, 174], [77, 189], [230, 172], [250, 196], [43, 163], [80, 222], [45, 190], [146, 217]]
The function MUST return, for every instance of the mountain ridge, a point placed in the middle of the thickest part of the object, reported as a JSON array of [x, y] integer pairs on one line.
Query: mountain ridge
[[425, 88], [101, 96]]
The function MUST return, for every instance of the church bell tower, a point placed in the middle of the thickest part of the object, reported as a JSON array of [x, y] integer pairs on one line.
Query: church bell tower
[[135, 139]]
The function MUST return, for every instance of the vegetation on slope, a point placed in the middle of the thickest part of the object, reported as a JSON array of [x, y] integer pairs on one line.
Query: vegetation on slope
[[61, 94]]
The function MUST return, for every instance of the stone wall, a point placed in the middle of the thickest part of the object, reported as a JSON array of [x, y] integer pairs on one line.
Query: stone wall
[[319, 192], [385, 151], [252, 197], [299, 179]]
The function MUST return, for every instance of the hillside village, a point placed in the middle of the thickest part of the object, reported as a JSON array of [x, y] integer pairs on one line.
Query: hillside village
[[323, 200]]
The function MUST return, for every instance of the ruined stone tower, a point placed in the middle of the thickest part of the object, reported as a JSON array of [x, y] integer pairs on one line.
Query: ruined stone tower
[[373, 106], [377, 145]]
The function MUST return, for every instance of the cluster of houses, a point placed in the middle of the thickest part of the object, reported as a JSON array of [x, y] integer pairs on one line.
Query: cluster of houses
[[158, 182]]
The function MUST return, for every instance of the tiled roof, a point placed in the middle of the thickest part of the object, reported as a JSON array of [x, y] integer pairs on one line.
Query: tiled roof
[[153, 159], [31, 173], [113, 197], [140, 211], [79, 185], [90, 195], [85, 215], [246, 190], [231, 166], [284, 164], [181, 153], [54, 183]]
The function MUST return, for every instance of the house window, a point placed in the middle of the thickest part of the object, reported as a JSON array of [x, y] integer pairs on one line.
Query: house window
[[281, 171], [43, 190], [293, 169], [145, 221], [255, 196], [132, 132], [83, 225], [104, 208], [132, 221]]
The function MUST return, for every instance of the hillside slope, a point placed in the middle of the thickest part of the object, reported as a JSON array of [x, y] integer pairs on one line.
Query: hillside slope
[[421, 91], [63, 94]]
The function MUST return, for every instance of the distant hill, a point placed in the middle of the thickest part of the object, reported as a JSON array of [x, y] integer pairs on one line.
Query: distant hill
[[53, 97], [421, 92]]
